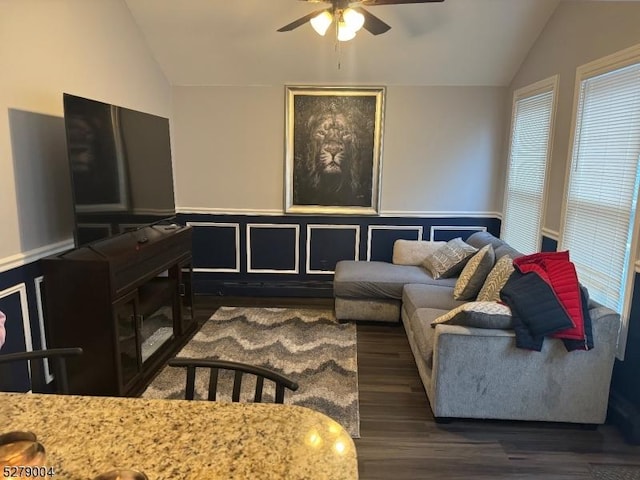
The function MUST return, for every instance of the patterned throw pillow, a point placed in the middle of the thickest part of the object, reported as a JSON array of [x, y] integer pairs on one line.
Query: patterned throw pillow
[[413, 252], [498, 276], [474, 274], [478, 315], [448, 260]]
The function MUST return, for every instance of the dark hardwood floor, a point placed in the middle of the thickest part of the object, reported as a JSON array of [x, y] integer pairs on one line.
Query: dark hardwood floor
[[399, 439]]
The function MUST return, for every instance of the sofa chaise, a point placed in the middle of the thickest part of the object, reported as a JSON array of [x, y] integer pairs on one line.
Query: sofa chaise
[[471, 372]]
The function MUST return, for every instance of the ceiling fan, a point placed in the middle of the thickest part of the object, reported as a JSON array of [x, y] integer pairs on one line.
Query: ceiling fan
[[349, 17]]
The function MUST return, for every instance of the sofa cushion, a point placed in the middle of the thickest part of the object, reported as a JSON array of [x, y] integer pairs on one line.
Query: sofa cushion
[[474, 274], [449, 260], [423, 333], [478, 315], [480, 239], [378, 279], [507, 249], [498, 276], [413, 252], [416, 296], [500, 247]]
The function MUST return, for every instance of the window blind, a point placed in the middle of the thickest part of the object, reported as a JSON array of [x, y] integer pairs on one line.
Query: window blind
[[603, 184], [526, 172]]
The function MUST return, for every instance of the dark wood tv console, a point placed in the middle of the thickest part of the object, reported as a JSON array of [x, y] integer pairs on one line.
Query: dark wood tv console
[[127, 301]]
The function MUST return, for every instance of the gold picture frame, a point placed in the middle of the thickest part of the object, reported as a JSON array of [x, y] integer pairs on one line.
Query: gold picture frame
[[333, 150]]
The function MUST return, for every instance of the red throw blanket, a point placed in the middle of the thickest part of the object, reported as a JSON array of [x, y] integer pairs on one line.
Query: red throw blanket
[[559, 272]]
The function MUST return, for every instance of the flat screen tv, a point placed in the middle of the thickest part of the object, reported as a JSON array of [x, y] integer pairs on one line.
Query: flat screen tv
[[121, 171]]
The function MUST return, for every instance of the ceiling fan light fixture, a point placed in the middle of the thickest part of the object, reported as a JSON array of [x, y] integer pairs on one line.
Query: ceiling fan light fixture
[[353, 19], [321, 22], [345, 33]]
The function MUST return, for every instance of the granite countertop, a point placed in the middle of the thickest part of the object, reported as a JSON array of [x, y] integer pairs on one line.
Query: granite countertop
[[179, 439]]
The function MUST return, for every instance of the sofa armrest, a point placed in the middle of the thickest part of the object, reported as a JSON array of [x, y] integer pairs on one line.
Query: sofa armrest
[[445, 329], [480, 373]]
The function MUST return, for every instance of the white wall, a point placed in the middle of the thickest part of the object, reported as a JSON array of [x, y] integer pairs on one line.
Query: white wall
[[443, 148], [47, 47], [577, 33], [441, 153]]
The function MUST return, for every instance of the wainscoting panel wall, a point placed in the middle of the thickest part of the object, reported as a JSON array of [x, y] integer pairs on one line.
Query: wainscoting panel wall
[[328, 244], [296, 255], [444, 233], [380, 239], [38, 284], [217, 246], [21, 302], [225, 257], [221, 267], [273, 248], [549, 244]]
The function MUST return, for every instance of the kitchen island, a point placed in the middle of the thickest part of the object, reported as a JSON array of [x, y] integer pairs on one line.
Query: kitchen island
[[178, 439]]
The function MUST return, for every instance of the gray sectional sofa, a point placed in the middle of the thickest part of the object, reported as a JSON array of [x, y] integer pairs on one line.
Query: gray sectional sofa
[[472, 372]]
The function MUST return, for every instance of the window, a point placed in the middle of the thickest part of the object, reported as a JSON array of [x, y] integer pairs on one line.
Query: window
[[599, 214], [529, 151]]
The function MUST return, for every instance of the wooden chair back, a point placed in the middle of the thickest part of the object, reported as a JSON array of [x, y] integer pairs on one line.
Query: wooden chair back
[[239, 369], [57, 357]]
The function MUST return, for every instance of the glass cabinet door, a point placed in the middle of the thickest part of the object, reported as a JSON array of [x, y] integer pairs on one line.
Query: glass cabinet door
[[157, 303], [127, 324]]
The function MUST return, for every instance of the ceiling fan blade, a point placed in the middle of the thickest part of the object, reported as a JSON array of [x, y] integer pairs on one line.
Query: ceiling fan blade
[[372, 23], [373, 3], [300, 21]]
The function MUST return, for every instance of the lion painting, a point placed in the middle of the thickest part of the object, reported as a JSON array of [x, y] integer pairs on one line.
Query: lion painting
[[333, 152]]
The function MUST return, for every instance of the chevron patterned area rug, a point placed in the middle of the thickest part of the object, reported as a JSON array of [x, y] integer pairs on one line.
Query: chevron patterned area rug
[[308, 346]]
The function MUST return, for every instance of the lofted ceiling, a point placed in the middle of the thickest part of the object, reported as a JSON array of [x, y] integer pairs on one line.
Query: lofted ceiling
[[235, 42]]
